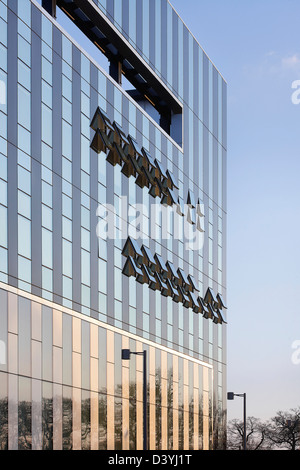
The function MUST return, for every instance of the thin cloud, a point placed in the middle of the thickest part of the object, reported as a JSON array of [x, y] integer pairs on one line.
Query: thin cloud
[[274, 64], [270, 54]]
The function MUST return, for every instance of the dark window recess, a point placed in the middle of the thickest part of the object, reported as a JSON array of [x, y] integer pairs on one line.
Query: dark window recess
[[125, 65]]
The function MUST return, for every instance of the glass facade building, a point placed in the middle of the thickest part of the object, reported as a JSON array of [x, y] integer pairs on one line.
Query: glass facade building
[[71, 298]]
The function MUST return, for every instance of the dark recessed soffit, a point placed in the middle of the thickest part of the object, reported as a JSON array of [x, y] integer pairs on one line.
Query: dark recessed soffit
[[99, 29]]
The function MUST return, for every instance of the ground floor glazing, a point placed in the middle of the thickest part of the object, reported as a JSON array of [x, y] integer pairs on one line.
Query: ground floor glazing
[[63, 384]]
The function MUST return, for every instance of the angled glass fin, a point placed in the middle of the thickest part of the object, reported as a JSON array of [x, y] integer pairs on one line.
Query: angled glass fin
[[101, 121], [131, 248], [221, 303]]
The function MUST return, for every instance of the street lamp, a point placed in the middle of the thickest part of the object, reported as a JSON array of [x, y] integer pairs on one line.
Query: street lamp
[[230, 396], [126, 357]]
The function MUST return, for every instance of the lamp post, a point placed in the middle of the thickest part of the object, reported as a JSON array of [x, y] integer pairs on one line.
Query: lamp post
[[126, 357], [230, 396]]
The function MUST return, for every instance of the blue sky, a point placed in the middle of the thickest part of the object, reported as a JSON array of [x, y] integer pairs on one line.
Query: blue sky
[[256, 47]]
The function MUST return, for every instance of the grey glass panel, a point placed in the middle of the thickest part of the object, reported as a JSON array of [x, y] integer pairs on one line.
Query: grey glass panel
[[118, 423], [3, 32], [3, 92], [118, 365], [46, 125], [24, 31], [67, 349], [24, 107], [3, 10], [24, 337], [67, 206], [85, 239], [24, 237], [3, 226], [3, 58], [67, 258], [24, 11], [47, 281], [102, 360], [46, 156], [3, 125], [47, 194], [3, 336], [46, 70], [85, 355], [139, 30], [47, 250], [47, 343], [47, 52], [24, 270], [24, 75], [132, 21], [47, 94], [47, 217], [3, 278], [67, 50], [67, 140], [85, 267], [67, 228], [118, 13], [3, 192], [24, 50], [24, 204]]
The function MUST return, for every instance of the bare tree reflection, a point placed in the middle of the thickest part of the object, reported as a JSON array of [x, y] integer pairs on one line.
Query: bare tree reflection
[[67, 423], [47, 423], [24, 425], [217, 418], [85, 421], [102, 422], [4, 424]]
